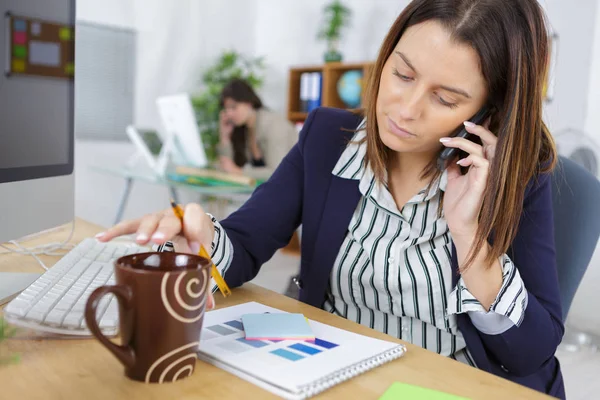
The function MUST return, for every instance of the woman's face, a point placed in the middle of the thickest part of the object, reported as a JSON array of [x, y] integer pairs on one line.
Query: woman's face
[[429, 86], [237, 112]]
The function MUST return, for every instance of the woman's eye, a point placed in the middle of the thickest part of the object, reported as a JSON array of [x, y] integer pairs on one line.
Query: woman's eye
[[403, 77], [447, 104]]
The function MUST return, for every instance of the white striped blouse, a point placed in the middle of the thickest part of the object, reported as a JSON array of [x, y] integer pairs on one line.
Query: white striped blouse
[[393, 270]]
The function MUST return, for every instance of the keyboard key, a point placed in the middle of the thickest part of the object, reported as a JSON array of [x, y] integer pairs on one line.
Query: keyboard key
[[18, 307], [73, 320], [36, 315], [55, 317]]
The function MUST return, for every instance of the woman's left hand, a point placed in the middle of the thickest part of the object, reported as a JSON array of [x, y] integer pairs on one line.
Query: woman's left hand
[[464, 193]]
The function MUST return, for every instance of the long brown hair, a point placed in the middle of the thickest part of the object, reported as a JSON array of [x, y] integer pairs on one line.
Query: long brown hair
[[240, 91], [511, 39]]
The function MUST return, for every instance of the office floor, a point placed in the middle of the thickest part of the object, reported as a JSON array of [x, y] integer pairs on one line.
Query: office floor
[[580, 369]]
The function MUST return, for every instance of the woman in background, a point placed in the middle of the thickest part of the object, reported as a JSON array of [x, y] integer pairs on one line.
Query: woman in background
[[253, 139]]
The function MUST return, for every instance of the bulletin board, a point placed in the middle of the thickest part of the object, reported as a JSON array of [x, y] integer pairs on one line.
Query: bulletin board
[[39, 48]]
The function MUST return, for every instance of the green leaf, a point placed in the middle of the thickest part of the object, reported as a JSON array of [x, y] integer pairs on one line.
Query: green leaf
[[336, 17]]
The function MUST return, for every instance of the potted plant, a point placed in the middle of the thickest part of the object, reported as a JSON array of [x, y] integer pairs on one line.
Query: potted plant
[[336, 17], [228, 66]]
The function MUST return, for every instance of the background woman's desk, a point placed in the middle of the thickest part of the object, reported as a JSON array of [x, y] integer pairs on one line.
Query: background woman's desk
[[222, 194], [82, 369]]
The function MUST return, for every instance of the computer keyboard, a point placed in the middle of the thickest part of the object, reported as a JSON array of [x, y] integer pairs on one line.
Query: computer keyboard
[[55, 302]]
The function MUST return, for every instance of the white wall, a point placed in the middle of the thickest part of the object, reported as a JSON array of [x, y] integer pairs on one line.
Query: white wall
[[575, 26], [592, 125]]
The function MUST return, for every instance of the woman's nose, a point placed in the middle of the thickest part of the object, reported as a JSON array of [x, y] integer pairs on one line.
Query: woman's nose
[[411, 106]]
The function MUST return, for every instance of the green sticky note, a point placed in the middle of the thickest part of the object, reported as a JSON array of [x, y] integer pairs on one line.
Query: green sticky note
[[401, 391], [20, 51]]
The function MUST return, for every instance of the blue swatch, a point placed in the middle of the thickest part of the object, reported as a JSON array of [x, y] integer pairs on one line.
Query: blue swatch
[[235, 324], [254, 343], [325, 344], [287, 354], [305, 349], [221, 330]]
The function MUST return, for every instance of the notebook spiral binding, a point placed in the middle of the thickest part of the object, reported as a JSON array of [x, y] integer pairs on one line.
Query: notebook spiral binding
[[330, 380]]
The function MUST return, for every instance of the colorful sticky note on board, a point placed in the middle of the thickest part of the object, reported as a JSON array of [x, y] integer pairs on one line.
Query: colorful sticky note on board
[[18, 66], [20, 51], [19, 38], [401, 391], [20, 25], [277, 326]]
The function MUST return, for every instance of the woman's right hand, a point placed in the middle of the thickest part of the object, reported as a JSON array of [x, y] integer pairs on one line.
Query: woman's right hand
[[164, 226], [225, 128]]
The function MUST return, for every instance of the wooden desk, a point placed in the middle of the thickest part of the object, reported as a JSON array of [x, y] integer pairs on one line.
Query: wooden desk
[[53, 368]]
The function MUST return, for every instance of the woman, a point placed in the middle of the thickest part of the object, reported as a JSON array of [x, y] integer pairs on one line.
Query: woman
[[253, 140], [460, 262]]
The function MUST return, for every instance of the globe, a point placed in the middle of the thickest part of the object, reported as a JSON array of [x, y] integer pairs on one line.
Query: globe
[[349, 88]]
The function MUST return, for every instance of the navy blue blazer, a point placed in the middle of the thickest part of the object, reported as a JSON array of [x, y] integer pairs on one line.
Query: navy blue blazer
[[303, 191]]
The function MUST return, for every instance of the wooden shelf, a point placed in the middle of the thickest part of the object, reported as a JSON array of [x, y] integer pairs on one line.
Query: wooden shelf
[[297, 116], [329, 94]]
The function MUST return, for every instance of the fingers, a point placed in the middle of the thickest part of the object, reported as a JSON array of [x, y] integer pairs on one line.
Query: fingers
[[487, 137], [463, 144], [168, 227], [147, 228], [198, 228], [210, 303], [123, 228], [475, 161]]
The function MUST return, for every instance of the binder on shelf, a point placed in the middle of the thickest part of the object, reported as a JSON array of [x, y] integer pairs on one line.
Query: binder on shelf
[[305, 81], [316, 79]]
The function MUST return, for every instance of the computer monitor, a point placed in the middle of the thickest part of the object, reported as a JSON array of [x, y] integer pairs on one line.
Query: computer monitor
[[37, 59], [179, 121]]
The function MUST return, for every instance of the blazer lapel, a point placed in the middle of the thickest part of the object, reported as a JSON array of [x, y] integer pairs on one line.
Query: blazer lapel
[[340, 204]]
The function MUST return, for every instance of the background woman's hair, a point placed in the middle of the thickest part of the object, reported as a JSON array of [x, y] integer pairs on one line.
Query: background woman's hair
[[511, 39], [240, 91]]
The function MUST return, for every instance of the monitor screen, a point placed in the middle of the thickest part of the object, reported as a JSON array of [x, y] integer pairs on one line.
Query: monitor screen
[[37, 56], [152, 140]]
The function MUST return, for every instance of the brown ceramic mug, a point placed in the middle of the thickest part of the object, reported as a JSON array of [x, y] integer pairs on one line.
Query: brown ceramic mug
[[162, 298]]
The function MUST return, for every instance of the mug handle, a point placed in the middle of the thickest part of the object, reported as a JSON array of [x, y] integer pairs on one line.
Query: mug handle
[[124, 353]]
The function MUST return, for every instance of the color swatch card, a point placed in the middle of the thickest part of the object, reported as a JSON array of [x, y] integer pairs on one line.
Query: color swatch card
[[293, 369], [401, 391], [277, 326]]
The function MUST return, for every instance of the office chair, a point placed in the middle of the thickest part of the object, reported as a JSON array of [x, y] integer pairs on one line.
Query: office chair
[[575, 198]]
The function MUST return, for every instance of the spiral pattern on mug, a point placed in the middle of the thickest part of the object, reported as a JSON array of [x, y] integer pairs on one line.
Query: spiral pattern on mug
[[181, 306], [185, 363]]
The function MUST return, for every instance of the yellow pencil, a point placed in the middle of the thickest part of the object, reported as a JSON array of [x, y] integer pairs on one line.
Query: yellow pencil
[[203, 253]]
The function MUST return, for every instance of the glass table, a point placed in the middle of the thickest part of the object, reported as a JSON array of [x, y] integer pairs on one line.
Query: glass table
[[215, 196]]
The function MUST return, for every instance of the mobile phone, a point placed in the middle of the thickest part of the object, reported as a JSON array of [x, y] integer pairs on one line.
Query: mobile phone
[[449, 153]]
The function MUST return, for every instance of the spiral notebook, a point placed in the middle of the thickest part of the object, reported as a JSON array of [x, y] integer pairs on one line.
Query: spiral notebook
[[290, 369]]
